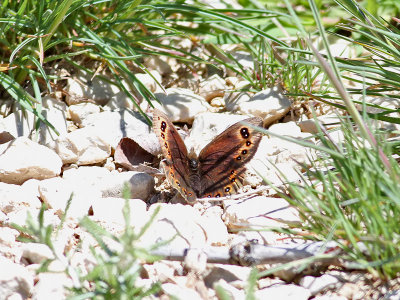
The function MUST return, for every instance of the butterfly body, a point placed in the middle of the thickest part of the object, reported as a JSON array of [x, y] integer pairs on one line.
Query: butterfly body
[[215, 172]]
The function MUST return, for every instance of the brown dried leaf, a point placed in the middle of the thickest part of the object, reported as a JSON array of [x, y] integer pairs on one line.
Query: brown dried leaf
[[129, 154]]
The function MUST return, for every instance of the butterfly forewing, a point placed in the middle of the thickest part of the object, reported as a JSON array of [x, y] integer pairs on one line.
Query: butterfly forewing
[[223, 160], [174, 150]]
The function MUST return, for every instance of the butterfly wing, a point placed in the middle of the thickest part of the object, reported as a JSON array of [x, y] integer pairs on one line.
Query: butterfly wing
[[174, 150], [223, 160]]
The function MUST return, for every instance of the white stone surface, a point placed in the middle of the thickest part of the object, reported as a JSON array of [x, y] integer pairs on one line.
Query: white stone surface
[[56, 193], [22, 159], [52, 286], [15, 197], [329, 121], [211, 222], [259, 211], [288, 129], [175, 220], [151, 81], [141, 184], [283, 292], [14, 279], [84, 87], [113, 126], [36, 253], [111, 184], [212, 87], [269, 104], [138, 211], [318, 284], [178, 292], [181, 105], [79, 112], [83, 146]]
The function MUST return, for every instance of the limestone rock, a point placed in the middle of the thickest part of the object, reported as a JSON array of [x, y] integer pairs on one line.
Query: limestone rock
[[269, 104], [83, 146], [283, 292], [138, 211], [15, 280], [318, 284], [36, 253], [181, 105], [78, 112], [212, 87], [22, 159], [259, 211], [56, 193], [83, 88]]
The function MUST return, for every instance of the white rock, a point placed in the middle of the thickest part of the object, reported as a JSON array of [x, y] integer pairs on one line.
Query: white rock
[[22, 159], [85, 175], [112, 126], [269, 104], [228, 273], [22, 123], [14, 279], [259, 211], [6, 107], [178, 292], [85, 86], [55, 111], [288, 129], [211, 222], [151, 81], [278, 150], [56, 193], [19, 217], [83, 146], [181, 105], [163, 270], [111, 184], [8, 236], [141, 184], [52, 286], [233, 99], [233, 292], [212, 87], [36, 253], [175, 221], [15, 197], [195, 261], [17, 124], [283, 292], [318, 284], [138, 211], [217, 102], [328, 121], [78, 112], [244, 58], [157, 63]]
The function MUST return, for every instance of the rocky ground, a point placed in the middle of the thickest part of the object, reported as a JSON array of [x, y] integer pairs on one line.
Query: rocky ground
[[88, 159]]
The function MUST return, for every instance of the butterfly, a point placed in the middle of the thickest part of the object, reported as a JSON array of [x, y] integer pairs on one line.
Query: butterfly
[[216, 171]]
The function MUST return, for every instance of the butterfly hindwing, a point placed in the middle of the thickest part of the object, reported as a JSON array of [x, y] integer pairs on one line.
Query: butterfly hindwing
[[223, 160], [176, 163]]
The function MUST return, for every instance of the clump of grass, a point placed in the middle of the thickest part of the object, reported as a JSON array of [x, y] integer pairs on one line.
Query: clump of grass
[[351, 192], [116, 270]]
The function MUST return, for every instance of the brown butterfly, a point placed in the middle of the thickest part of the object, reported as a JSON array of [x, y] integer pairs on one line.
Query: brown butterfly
[[217, 169]]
